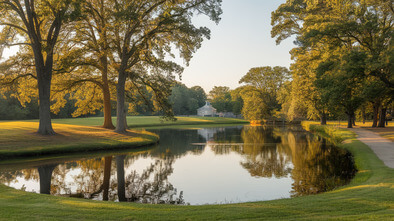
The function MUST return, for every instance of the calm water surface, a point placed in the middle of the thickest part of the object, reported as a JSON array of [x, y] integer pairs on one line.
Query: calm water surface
[[196, 166]]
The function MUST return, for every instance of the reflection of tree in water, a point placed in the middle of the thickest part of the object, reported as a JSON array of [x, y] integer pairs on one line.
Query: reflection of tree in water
[[152, 186], [6, 177], [95, 179], [228, 135], [267, 152], [318, 167], [177, 142], [263, 156]]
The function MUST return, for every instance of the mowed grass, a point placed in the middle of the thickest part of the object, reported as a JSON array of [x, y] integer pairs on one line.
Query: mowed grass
[[386, 132], [368, 197], [19, 139], [151, 121]]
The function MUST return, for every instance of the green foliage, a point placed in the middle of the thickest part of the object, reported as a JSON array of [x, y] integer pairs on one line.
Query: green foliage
[[261, 95], [340, 81], [255, 107], [220, 98], [186, 101], [342, 46]]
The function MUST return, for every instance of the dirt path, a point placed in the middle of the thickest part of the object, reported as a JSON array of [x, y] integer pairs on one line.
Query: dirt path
[[383, 148]]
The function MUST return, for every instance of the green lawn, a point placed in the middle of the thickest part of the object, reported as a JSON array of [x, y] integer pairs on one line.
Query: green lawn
[[368, 197], [18, 138], [150, 121]]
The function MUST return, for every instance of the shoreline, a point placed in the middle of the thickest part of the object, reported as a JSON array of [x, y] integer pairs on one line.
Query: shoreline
[[368, 196]]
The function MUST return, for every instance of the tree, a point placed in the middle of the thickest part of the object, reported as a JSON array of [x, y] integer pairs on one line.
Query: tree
[[37, 25], [145, 32], [254, 108], [89, 59], [186, 100], [340, 79], [264, 84], [334, 25], [220, 97]]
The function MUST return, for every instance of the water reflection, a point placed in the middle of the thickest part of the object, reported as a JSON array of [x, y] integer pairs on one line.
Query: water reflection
[[241, 163]]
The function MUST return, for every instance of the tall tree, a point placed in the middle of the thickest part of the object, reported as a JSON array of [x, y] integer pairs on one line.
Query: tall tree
[[89, 59], [220, 97], [186, 100], [366, 25], [265, 81], [146, 32], [340, 79], [37, 24]]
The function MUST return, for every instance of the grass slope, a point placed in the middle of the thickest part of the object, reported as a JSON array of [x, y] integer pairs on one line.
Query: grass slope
[[151, 121], [18, 138], [369, 197]]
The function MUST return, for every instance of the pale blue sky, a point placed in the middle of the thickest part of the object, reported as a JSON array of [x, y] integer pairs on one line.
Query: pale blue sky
[[242, 40]]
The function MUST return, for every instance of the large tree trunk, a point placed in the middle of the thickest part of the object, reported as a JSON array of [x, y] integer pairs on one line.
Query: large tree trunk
[[106, 95], [323, 118], [107, 176], [349, 120], [382, 117], [45, 174], [44, 95], [121, 178], [375, 114], [121, 121], [354, 119]]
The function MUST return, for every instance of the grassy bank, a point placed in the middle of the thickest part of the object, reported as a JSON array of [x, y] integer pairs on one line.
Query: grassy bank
[[18, 138], [367, 197], [386, 132], [152, 121]]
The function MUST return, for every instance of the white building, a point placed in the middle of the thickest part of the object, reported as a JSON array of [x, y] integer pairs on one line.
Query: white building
[[206, 111]]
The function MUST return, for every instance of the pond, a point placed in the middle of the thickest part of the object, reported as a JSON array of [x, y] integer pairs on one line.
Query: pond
[[212, 165]]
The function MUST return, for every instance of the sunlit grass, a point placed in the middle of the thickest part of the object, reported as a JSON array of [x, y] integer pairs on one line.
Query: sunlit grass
[[142, 121], [387, 132], [19, 138]]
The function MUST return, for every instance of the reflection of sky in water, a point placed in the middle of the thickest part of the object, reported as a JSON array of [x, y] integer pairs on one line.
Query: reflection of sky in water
[[27, 185], [221, 179], [214, 173], [204, 178]]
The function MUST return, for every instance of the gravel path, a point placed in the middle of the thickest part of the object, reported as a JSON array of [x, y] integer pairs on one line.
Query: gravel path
[[383, 148]]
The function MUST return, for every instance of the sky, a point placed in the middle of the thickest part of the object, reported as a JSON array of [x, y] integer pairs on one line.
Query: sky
[[242, 40]]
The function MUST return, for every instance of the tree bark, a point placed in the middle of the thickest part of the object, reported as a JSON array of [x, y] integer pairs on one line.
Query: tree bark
[[376, 106], [106, 95], [45, 174], [382, 117], [44, 78], [323, 118], [349, 121], [44, 94], [354, 119], [121, 178], [121, 121], [107, 176]]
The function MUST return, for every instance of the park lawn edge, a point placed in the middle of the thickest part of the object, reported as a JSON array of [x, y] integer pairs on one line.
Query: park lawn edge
[[367, 197], [109, 144]]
